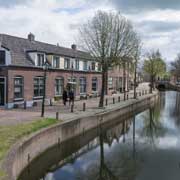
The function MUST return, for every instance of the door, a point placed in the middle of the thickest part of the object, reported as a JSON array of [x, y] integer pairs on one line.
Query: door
[[2, 91]]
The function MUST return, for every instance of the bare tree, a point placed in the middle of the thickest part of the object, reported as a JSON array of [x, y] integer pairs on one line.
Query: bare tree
[[129, 54], [137, 54], [108, 38]]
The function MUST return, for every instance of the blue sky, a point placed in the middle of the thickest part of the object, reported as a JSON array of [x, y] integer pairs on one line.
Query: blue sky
[[57, 21]]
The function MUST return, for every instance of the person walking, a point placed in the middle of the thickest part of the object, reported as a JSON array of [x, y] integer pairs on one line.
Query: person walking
[[64, 97], [71, 97]]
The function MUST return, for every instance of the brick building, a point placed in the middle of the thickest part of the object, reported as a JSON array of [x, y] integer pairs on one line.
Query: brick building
[[22, 74], [21, 71]]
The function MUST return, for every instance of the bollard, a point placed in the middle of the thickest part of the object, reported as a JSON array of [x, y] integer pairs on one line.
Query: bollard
[[83, 131], [25, 105], [28, 158], [106, 102], [84, 106], [59, 141], [119, 99], [72, 108], [113, 100], [51, 102], [57, 115]]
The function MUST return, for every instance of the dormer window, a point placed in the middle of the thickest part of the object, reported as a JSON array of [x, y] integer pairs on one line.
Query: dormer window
[[77, 64], [55, 61], [93, 66], [40, 59], [85, 66], [2, 57], [66, 63]]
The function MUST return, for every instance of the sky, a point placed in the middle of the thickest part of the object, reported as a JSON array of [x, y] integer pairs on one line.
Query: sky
[[56, 21]]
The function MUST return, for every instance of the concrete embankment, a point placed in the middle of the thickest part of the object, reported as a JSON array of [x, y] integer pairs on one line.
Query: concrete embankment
[[27, 149]]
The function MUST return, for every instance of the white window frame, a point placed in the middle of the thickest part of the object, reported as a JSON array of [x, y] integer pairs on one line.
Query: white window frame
[[82, 84], [53, 62], [59, 84], [5, 99], [42, 63], [20, 85]]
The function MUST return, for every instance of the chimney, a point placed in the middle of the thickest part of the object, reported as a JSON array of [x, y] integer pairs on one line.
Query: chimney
[[74, 47], [31, 37]]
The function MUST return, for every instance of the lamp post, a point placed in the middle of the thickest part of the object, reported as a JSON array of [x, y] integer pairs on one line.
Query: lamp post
[[45, 68]]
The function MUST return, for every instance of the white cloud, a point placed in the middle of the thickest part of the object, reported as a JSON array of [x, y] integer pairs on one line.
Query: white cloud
[[50, 20], [56, 21]]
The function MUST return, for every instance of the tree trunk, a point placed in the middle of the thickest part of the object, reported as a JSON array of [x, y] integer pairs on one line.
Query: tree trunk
[[106, 83], [135, 80], [152, 84], [101, 101], [124, 80]]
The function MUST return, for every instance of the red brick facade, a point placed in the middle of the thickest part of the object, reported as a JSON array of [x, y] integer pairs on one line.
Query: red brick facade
[[29, 74]]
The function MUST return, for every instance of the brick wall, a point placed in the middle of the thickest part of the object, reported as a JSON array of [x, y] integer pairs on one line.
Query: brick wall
[[29, 75]]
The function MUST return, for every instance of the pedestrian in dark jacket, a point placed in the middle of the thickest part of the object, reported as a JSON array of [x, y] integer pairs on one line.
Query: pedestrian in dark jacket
[[71, 97], [64, 97]]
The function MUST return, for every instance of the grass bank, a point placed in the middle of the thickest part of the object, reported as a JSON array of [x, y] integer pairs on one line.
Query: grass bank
[[10, 134]]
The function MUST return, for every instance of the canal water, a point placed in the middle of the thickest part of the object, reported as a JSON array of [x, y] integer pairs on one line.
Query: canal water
[[145, 146]]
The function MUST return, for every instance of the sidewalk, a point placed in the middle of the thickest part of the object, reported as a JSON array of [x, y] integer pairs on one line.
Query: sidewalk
[[16, 116]]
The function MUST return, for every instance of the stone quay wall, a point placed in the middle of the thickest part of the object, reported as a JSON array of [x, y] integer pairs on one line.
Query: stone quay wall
[[27, 149]]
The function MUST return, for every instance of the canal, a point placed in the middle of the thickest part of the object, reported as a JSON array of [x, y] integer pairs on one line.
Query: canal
[[145, 146]]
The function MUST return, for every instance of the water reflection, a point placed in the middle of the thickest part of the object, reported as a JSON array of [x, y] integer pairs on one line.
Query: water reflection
[[105, 173], [142, 147], [153, 127]]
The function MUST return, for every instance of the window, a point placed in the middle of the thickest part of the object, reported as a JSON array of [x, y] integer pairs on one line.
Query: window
[[59, 86], [40, 59], [2, 58], [77, 64], [66, 63], [94, 84], [18, 87], [72, 81], [55, 61], [93, 66], [110, 83], [82, 82], [99, 67], [38, 86], [85, 66]]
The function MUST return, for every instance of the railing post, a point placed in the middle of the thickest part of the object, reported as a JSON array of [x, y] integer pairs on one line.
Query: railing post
[[113, 100], [72, 108], [25, 105], [57, 115], [51, 102], [106, 102], [84, 106]]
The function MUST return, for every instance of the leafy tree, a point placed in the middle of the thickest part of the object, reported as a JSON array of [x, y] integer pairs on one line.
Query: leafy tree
[[175, 70], [154, 66]]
